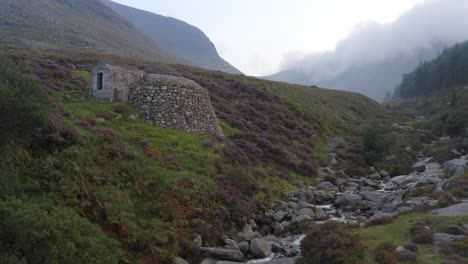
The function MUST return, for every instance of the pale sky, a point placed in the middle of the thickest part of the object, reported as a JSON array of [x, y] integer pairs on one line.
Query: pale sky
[[255, 35]]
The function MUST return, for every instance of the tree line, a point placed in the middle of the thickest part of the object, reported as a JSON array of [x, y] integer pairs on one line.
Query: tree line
[[448, 70]]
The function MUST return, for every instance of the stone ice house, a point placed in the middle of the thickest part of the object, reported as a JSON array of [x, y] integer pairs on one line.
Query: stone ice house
[[165, 100]]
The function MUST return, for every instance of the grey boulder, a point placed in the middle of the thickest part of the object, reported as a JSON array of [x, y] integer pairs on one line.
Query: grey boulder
[[224, 254], [454, 210], [260, 248]]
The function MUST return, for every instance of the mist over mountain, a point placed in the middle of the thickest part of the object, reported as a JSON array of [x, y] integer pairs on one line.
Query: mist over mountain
[[374, 57], [175, 36]]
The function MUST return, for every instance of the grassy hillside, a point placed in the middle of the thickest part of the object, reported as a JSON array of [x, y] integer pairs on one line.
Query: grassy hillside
[[444, 113], [79, 24], [149, 191]]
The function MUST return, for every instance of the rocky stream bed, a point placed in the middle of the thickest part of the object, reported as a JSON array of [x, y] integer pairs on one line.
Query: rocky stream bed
[[274, 237]]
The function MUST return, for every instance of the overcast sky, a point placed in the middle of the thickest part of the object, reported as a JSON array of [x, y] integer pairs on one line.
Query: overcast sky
[[255, 35]]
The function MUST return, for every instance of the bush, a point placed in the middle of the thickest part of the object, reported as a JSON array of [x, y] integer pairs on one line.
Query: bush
[[422, 232], [385, 254], [31, 234], [331, 243], [376, 142], [22, 112], [380, 221]]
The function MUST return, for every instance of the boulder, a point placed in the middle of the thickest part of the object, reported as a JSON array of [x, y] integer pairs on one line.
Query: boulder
[[132, 117], [347, 199], [333, 161], [326, 185], [260, 248], [369, 182], [375, 176], [197, 242], [301, 205], [244, 247], [444, 238], [209, 261], [228, 262], [231, 244], [336, 142], [384, 173], [224, 254], [178, 260], [320, 214], [377, 197], [403, 179], [301, 218], [282, 261], [308, 212], [454, 210], [279, 216]]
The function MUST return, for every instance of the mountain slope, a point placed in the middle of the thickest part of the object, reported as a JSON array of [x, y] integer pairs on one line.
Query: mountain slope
[[152, 190], [176, 36], [80, 24]]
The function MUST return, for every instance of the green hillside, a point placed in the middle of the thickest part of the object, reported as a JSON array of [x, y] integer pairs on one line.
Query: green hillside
[[140, 191]]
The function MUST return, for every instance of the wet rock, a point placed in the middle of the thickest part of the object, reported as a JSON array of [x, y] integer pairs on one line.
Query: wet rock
[[224, 254], [260, 248]]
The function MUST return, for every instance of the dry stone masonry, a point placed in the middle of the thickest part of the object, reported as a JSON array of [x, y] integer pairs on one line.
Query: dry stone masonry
[[163, 100]]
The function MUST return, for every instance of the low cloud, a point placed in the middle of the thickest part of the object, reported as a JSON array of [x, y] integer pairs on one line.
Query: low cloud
[[417, 35]]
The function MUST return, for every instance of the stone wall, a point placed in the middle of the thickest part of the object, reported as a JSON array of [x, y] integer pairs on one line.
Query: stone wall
[[175, 102], [163, 100], [116, 82]]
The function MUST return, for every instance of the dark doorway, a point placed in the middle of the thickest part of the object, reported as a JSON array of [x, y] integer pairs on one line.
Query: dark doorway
[[99, 80]]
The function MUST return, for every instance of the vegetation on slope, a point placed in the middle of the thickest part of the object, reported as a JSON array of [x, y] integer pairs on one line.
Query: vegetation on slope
[[402, 232], [77, 24], [447, 71], [150, 190]]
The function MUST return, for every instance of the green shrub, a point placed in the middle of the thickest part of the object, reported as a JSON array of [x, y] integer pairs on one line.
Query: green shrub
[[376, 143], [32, 234], [331, 243], [22, 112]]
